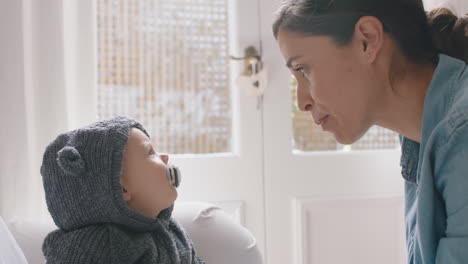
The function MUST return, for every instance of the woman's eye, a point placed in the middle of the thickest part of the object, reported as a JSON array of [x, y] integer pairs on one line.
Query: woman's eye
[[301, 70], [151, 152]]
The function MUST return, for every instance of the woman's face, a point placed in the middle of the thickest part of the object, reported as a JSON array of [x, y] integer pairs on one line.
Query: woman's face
[[335, 83]]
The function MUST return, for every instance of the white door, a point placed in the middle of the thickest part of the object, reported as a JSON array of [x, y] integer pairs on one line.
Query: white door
[[324, 207], [234, 180], [192, 41]]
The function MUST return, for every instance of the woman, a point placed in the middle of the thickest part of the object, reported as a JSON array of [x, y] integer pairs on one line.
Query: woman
[[360, 63]]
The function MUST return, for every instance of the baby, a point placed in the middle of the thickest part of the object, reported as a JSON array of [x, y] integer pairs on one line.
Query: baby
[[111, 195]]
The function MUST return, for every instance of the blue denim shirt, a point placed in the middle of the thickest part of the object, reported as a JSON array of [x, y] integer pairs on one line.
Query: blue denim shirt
[[436, 171]]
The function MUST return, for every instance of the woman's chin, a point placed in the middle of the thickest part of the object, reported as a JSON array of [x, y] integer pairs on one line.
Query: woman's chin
[[350, 135], [346, 139]]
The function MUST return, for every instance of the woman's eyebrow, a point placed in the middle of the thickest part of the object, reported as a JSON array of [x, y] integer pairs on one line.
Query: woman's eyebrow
[[290, 61]]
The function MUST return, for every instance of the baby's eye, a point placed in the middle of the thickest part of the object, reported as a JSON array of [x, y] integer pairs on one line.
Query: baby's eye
[[151, 152]]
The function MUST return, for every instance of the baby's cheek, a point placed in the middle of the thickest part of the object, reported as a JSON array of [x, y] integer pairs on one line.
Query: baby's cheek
[[162, 176], [159, 182], [153, 184]]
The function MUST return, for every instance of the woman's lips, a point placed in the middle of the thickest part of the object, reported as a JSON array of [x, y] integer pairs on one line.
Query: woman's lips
[[322, 120]]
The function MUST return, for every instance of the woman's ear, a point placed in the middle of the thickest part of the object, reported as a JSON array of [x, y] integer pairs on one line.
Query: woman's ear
[[369, 32]]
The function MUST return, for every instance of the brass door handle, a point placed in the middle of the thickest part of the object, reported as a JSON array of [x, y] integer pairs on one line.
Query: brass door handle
[[252, 61]]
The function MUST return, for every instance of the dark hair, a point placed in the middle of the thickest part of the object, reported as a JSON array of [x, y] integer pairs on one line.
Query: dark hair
[[449, 33], [420, 35]]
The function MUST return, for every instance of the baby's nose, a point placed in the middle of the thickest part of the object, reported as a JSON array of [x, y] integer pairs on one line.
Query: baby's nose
[[165, 157]]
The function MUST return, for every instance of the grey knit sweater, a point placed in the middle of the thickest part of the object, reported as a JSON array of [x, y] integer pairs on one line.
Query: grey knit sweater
[[81, 173]]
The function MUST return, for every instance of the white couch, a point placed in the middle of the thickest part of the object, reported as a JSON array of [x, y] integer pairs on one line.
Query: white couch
[[217, 238]]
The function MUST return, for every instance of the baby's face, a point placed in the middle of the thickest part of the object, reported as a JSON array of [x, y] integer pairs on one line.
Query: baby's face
[[144, 176]]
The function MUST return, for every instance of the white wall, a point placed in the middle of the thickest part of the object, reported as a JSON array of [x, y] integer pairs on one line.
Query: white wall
[[32, 105], [13, 133]]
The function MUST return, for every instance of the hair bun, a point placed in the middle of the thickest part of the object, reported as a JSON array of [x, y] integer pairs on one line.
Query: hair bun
[[449, 32]]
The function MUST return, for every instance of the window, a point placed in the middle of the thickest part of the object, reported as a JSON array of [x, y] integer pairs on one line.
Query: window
[[165, 63]]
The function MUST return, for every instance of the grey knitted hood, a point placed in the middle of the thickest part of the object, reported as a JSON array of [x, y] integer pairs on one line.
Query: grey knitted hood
[[81, 173]]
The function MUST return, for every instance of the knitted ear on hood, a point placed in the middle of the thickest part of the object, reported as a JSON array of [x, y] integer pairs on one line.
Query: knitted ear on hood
[[70, 161]]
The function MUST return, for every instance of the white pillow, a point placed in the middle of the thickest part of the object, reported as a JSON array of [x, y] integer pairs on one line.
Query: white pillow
[[215, 235], [30, 234], [10, 252]]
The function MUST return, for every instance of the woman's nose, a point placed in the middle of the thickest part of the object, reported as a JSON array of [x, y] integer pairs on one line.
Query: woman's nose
[[304, 99]]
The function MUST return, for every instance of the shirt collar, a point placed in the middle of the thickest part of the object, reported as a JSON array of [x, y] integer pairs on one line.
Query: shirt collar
[[438, 99]]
